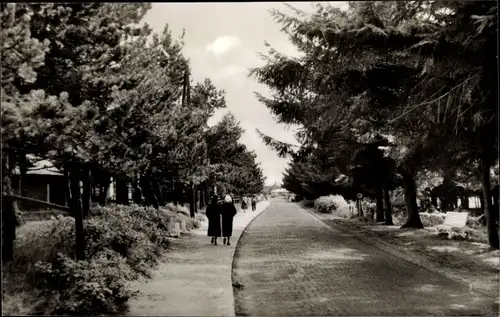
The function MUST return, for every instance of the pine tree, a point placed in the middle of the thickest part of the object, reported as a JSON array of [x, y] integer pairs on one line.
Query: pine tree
[[22, 55], [382, 67]]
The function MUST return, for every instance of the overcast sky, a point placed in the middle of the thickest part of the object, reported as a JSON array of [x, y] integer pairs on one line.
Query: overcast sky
[[222, 41]]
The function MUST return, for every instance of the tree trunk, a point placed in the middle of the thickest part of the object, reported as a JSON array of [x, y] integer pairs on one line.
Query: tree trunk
[[147, 191], [496, 195], [360, 208], [172, 191], [9, 219], [175, 196], [137, 193], [481, 202], [164, 188], [67, 188], [192, 201], [183, 198], [8, 229], [388, 207], [489, 214], [207, 194], [202, 196], [103, 191], [158, 193], [93, 195], [77, 212], [121, 191], [410, 190], [434, 201], [23, 172], [86, 191], [465, 201], [196, 199], [145, 188], [447, 203], [379, 196], [154, 198]]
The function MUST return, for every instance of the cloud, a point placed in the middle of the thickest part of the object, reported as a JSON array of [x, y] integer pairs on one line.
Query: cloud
[[223, 44]]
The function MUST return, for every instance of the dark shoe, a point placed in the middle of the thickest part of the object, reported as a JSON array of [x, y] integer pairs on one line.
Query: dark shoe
[[224, 241], [228, 243], [212, 241]]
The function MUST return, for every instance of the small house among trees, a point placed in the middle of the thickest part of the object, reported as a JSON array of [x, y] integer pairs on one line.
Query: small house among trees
[[43, 182]]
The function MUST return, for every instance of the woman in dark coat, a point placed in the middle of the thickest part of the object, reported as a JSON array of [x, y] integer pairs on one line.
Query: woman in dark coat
[[213, 215], [228, 211]]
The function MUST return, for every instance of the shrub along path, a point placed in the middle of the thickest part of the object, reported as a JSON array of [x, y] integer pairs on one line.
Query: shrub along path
[[195, 278]]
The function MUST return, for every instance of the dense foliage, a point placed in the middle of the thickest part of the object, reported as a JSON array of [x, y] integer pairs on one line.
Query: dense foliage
[[122, 244], [384, 91], [96, 92]]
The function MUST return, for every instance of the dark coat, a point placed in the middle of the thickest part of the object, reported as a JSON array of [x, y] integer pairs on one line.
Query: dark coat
[[213, 215], [228, 211]]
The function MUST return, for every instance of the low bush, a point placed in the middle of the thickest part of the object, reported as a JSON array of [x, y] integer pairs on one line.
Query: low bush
[[399, 216], [122, 243], [476, 222], [331, 203], [40, 241], [89, 287], [325, 204], [198, 219], [431, 219], [120, 234]]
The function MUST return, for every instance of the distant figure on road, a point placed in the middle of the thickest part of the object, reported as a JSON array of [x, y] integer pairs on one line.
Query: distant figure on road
[[254, 203], [213, 215], [228, 211], [244, 203]]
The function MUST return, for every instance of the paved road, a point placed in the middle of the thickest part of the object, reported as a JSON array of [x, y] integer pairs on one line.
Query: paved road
[[289, 263]]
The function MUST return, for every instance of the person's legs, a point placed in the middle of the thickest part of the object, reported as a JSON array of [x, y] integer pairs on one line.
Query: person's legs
[[228, 243], [212, 241], [224, 241], [215, 240]]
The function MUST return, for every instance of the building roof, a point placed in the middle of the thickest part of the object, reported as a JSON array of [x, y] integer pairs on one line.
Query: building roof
[[41, 167]]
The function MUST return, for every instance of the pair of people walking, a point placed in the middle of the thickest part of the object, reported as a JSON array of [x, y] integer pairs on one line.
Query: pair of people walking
[[215, 213], [254, 203]]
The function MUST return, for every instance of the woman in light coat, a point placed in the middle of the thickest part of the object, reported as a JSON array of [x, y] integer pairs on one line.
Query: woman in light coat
[[228, 211]]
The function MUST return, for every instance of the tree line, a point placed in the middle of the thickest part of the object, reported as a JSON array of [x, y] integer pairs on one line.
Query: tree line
[[94, 90], [385, 91]]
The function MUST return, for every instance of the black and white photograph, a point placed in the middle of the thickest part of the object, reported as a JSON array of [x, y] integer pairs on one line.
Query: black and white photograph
[[329, 158]]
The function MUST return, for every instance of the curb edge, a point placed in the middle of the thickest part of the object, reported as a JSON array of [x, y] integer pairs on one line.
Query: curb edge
[[236, 252]]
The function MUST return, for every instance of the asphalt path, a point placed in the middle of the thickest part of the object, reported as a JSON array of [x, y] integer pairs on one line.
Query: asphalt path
[[288, 262]]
